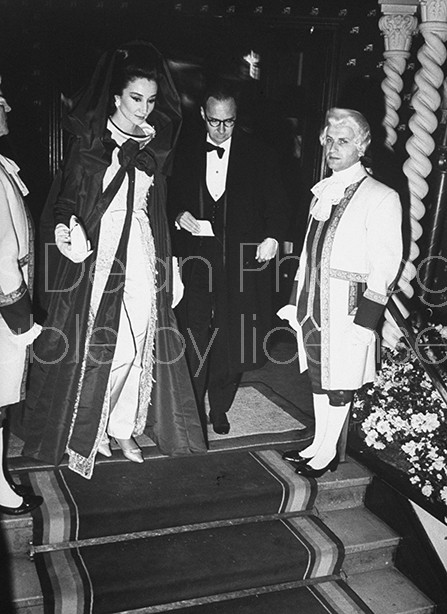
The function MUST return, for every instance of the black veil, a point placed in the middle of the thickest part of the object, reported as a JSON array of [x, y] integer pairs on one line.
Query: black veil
[[89, 110]]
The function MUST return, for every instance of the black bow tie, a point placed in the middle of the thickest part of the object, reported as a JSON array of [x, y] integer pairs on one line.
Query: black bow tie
[[220, 150]]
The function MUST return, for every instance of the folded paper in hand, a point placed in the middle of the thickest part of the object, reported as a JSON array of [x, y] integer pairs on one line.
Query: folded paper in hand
[[78, 236], [206, 230]]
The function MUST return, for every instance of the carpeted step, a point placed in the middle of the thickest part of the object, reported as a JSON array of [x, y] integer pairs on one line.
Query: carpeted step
[[166, 492], [323, 598], [331, 597], [17, 532], [227, 532], [383, 591], [345, 488], [189, 563], [387, 591], [161, 494], [180, 492], [224, 523], [368, 542], [25, 586]]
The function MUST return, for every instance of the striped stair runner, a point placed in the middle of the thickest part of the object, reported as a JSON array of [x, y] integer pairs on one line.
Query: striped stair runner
[[227, 532]]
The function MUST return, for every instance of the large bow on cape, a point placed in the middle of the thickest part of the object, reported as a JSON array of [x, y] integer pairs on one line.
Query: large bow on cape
[[131, 156]]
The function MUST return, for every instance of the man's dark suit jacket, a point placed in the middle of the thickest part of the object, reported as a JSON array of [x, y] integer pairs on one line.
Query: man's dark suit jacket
[[256, 208]]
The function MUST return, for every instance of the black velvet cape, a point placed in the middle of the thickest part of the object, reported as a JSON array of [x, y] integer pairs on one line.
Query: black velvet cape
[[51, 424]]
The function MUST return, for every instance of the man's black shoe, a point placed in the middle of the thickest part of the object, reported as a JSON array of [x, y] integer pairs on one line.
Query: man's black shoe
[[221, 426]]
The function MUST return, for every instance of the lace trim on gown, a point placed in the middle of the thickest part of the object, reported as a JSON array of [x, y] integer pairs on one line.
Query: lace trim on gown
[[112, 224]]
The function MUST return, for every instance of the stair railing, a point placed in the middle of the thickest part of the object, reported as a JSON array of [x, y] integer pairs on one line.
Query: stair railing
[[412, 340]]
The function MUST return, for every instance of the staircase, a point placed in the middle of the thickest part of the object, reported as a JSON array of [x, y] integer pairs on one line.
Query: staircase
[[210, 568]]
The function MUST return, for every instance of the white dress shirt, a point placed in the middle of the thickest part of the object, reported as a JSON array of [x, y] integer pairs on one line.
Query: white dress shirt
[[216, 169]]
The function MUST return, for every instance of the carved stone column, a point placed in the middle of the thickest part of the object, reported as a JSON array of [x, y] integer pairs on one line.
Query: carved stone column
[[398, 25], [426, 101]]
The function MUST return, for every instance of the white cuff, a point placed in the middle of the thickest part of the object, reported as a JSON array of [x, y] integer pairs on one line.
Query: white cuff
[[27, 338], [177, 284], [288, 312]]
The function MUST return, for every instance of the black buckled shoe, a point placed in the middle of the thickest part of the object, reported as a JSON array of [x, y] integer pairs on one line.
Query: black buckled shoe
[[309, 472], [294, 456], [19, 489], [29, 503]]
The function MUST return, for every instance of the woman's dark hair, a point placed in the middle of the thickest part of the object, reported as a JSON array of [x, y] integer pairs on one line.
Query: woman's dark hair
[[132, 63]]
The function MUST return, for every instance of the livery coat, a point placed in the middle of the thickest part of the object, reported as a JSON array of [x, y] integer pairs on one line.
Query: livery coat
[[16, 273], [360, 258]]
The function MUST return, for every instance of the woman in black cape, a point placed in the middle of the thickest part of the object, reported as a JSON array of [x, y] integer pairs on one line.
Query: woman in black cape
[[110, 360]]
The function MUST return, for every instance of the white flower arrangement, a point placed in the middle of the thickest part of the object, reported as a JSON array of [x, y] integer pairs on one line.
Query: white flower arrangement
[[403, 414]]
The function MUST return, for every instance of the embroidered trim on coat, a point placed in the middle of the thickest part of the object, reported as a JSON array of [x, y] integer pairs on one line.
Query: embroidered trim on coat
[[14, 296], [353, 298], [28, 260], [376, 297], [25, 259], [312, 284], [325, 279], [356, 293], [348, 275]]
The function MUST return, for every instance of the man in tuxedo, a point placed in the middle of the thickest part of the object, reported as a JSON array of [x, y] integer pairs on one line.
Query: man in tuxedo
[[225, 177]]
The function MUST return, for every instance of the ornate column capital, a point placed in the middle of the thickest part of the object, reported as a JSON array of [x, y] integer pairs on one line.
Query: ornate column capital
[[398, 31], [398, 24], [433, 11]]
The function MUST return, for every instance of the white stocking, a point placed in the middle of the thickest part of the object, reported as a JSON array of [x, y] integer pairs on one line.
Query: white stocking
[[7, 496], [328, 449], [321, 415]]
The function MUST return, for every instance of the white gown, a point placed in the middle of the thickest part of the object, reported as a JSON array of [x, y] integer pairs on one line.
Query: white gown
[[130, 380]]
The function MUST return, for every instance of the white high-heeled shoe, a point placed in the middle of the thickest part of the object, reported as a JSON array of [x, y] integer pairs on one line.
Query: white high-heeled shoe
[[104, 448], [130, 449]]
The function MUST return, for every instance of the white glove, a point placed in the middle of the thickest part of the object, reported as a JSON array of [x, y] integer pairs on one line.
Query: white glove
[[361, 335], [27, 338], [63, 241], [266, 250], [177, 284], [288, 312]]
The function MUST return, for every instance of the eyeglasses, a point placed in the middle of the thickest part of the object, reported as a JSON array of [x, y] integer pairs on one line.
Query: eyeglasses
[[215, 123]]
